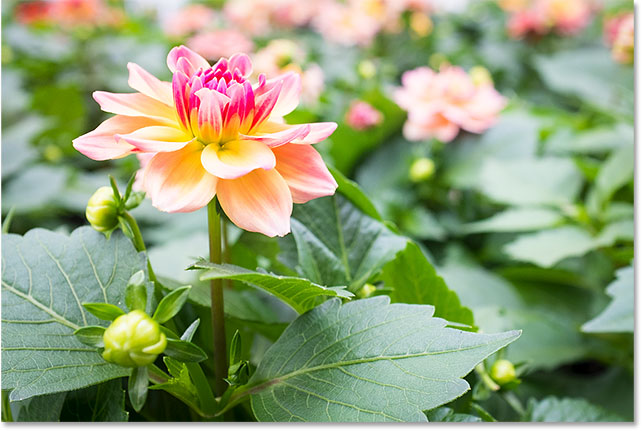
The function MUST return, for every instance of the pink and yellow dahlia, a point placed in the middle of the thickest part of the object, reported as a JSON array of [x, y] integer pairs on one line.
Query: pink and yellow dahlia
[[439, 104], [209, 133], [362, 115], [619, 32]]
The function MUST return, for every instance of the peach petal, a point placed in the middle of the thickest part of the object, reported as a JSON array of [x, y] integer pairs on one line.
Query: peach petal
[[237, 158], [177, 182], [157, 138], [289, 95], [143, 81], [302, 167], [135, 104], [257, 202], [281, 137]]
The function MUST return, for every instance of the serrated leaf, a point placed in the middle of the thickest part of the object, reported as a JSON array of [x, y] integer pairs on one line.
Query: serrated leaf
[[91, 335], [338, 245], [618, 316], [298, 293], [415, 281], [353, 192], [552, 409], [366, 361], [103, 311], [171, 304], [46, 277], [184, 351]]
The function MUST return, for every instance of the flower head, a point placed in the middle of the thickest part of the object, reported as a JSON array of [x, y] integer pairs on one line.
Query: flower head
[[440, 103], [620, 35], [214, 133], [362, 116]]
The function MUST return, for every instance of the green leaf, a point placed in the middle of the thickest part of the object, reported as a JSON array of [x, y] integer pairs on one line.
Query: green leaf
[[184, 351], [180, 384], [103, 311], [46, 277], [446, 414], [137, 387], [171, 304], [415, 281], [298, 293], [618, 316], [366, 361], [353, 192], [43, 408], [91, 335], [516, 220], [190, 331], [338, 245], [543, 181], [136, 293], [546, 248], [100, 403], [552, 409], [616, 172]]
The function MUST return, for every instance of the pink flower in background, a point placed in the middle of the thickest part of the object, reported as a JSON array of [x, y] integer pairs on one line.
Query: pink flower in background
[[220, 43], [440, 103], [69, 14], [620, 35], [539, 17], [567, 16], [188, 20], [259, 17], [211, 132], [362, 116], [348, 23], [284, 55]]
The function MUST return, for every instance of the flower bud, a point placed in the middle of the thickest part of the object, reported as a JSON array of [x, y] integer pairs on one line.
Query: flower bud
[[102, 210], [480, 76], [503, 372], [133, 340], [422, 169], [367, 69], [367, 290]]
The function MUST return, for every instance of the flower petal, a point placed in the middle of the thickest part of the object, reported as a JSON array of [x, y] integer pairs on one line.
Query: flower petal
[[258, 202], [102, 144], [281, 137], [289, 95], [177, 182], [241, 62], [237, 158], [135, 104], [143, 81], [194, 60], [318, 132], [210, 114], [157, 138], [302, 167]]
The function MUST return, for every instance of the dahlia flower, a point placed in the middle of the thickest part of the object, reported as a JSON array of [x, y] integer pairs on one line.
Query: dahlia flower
[[539, 17], [220, 43], [212, 133], [439, 104], [619, 33], [362, 115]]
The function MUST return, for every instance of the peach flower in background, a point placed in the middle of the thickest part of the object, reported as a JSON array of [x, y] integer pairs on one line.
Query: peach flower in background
[[362, 116], [284, 55], [69, 14], [539, 17], [439, 104], [189, 20], [619, 33], [259, 17], [213, 133], [220, 43], [348, 23]]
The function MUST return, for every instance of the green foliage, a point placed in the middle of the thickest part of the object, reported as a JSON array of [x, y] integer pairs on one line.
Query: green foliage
[[553, 409], [618, 316], [398, 354]]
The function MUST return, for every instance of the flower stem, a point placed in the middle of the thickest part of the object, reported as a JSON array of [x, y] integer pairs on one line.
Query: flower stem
[[139, 244], [216, 292]]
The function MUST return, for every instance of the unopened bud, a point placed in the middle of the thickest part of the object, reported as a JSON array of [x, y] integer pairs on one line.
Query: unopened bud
[[367, 290], [503, 372], [133, 340], [422, 169], [102, 210], [367, 69], [480, 76]]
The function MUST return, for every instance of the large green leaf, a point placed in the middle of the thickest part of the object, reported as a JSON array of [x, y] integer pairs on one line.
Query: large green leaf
[[46, 276], [366, 361], [552, 409], [516, 220], [337, 245], [415, 281], [298, 293], [618, 316]]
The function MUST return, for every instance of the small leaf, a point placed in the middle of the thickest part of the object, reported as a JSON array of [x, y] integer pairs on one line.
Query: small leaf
[[190, 331], [136, 293], [235, 348], [103, 311], [91, 335], [171, 304], [618, 316], [184, 351], [128, 189], [138, 387], [114, 187]]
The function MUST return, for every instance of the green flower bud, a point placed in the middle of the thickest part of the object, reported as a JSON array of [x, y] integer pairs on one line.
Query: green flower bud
[[422, 169], [367, 69], [503, 372], [102, 210], [367, 290], [133, 340]]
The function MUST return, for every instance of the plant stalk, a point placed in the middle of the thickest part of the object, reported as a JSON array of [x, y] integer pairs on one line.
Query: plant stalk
[[216, 293], [139, 244]]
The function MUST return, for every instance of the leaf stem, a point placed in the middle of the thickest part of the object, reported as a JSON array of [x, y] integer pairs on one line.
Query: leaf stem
[[139, 244], [216, 292], [515, 403]]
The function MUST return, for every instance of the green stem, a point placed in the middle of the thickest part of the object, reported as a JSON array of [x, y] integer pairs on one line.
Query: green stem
[[515, 403], [488, 381], [139, 244], [216, 292], [7, 416]]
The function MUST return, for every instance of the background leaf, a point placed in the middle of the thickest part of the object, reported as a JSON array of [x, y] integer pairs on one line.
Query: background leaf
[[618, 316], [552, 409], [366, 361]]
